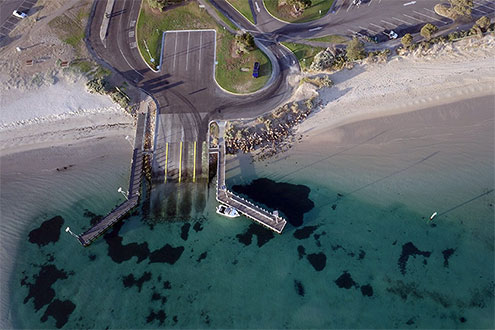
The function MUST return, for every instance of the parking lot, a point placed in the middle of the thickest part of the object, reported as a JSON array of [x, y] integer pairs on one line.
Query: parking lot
[[378, 17], [7, 20]]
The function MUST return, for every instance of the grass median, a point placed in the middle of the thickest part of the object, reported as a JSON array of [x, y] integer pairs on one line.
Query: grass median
[[228, 73], [285, 12], [304, 53], [333, 39], [243, 7]]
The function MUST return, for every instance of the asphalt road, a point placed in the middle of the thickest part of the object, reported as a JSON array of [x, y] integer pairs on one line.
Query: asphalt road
[[7, 20], [372, 18]]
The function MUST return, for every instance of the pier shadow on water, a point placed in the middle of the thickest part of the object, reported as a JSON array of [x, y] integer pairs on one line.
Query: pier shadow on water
[[173, 201]]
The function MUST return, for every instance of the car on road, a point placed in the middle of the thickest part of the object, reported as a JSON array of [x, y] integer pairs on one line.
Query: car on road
[[256, 69], [19, 14]]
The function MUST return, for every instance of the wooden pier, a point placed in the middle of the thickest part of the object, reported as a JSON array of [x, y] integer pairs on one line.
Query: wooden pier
[[224, 196], [132, 201]]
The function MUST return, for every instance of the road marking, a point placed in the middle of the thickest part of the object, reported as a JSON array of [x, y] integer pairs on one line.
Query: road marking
[[133, 45], [414, 18], [340, 7], [378, 26], [366, 29], [431, 11], [350, 5], [433, 18], [187, 51], [257, 7], [394, 25], [166, 160], [180, 161], [315, 29], [131, 33], [200, 45], [132, 23], [369, 3], [400, 20], [122, 53], [175, 49], [410, 3], [481, 11], [194, 166], [479, 4]]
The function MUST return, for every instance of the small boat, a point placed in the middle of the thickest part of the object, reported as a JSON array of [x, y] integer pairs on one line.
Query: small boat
[[228, 211], [433, 215]]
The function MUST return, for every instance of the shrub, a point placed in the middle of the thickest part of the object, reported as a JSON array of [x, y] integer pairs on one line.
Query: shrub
[[483, 22], [244, 42], [427, 30], [407, 40], [322, 60], [97, 85], [461, 7], [355, 50]]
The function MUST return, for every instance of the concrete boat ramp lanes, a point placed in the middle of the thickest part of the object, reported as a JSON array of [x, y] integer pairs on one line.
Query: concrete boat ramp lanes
[[132, 201], [188, 61]]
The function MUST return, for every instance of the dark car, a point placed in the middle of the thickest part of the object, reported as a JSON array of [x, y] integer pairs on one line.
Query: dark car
[[256, 69]]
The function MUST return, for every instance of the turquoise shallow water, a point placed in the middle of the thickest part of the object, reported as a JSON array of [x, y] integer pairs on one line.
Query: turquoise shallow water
[[355, 262]]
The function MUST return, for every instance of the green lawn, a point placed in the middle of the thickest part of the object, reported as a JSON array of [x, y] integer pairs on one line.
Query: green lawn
[[317, 10], [243, 7], [304, 53], [228, 71], [334, 39]]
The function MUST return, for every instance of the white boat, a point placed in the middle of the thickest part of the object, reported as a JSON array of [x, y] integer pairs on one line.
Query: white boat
[[230, 212], [433, 215]]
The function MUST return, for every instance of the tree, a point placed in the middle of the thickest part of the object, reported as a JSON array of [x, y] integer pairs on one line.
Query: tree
[[483, 23], [461, 7], [322, 60], [157, 4], [161, 4], [355, 49], [299, 5], [407, 40], [428, 30], [244, 42]]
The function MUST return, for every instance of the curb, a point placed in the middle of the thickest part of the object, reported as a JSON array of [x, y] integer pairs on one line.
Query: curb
[[285, 22], [137, 43]]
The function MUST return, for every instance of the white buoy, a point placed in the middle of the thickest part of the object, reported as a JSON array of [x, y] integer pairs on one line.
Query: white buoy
[[67, 230], [433, 215]]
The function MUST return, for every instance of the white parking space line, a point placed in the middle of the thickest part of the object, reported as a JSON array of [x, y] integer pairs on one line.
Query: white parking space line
[[431, 11], [340, 7], [377, 26], [353, 32], [479, 4], [400, 20], [350, 5], [481, 11], [200, 45], [414, 18], [369, 3], [187, 51], [394, 25], [433, 18], [366, 29], [175, 49]]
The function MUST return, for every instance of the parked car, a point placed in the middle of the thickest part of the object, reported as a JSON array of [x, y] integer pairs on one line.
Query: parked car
[[19, 14], [391, 34], [256, 69]]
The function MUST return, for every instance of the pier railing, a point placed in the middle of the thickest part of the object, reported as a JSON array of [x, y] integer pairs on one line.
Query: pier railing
[[132, 201], [269, 220]]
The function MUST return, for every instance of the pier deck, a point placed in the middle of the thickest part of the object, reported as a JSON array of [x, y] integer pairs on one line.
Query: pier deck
[[224, 196], [116, 214]]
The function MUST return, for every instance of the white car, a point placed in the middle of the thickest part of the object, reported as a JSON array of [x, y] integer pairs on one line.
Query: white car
[[19, 14], [392, 35]]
